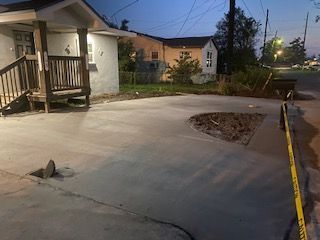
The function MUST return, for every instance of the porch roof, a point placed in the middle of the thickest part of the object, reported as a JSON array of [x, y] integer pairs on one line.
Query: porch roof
[[61, 15]]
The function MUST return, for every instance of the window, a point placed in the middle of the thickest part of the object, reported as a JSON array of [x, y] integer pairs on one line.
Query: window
[[184, 54], [155, 56], [90, 53], [209, 59], [154, 65]]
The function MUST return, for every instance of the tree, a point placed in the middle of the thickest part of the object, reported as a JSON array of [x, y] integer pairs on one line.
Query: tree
[[272, 49], [124, 25], [183, 69], [245, 39], [295, 53], [126, 55]]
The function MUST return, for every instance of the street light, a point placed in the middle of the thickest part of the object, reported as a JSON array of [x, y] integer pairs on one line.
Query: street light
[[279, 53]]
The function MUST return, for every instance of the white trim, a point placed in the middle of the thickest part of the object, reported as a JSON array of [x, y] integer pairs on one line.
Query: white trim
[[116, 33], [18, 16]]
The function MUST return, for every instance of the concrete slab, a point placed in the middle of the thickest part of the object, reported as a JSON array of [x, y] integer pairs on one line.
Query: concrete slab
[[142, 156], [29, 210]]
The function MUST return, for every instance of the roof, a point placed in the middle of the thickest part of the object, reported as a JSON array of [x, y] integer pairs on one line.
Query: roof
[[188, 41], [182, 42], [31, 4]]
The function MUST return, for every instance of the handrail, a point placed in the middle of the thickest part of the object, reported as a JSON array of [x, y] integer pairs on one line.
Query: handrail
[[64, 58], [65, 73], [18, 78], [12, 65]]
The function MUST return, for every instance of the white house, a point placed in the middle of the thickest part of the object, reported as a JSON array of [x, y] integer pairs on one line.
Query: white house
[[48, 47]]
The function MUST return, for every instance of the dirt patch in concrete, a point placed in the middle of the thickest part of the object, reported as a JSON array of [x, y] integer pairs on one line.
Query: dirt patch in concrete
[[127, 96], [232, 127]]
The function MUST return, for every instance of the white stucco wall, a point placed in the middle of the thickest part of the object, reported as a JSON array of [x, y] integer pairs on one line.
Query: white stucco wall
[[104, 74], [7, 46], [209, 47]]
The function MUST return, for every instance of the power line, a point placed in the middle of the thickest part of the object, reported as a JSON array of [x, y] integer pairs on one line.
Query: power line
[[202, 16], [170, 24], [175, 19], [264, 13], [244, 3], [194, 2], [121, 9]]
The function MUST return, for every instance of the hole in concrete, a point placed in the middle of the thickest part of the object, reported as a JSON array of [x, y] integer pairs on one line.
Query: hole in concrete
[[47, 172]]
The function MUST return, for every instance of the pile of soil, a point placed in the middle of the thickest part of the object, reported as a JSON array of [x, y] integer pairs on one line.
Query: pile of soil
[[232, 127]]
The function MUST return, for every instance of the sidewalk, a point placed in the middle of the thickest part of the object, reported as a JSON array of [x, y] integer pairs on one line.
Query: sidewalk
[[30, 210], [307, 136]]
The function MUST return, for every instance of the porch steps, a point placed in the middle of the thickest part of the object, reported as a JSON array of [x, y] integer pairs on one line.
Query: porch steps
[[19, 104]]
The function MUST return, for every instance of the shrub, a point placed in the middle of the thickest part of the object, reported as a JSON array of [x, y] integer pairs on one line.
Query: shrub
[[253, 78], [229, 88], [184, 69]]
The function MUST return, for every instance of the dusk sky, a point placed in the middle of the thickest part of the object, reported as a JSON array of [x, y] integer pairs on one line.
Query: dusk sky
[[165, 17]]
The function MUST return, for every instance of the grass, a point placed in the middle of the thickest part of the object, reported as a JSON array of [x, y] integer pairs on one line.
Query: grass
[[130, 91], [167, 88]]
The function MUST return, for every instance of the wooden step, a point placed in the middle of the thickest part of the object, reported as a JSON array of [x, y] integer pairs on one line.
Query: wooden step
[[17, 105]]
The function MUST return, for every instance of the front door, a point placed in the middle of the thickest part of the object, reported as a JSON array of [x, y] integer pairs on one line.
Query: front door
[[24, 43]]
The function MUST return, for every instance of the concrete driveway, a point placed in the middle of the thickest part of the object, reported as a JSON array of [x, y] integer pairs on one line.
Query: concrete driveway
[[141, 156]]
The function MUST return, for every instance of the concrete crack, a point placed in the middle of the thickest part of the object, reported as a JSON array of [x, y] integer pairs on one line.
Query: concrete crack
[[70, 193]]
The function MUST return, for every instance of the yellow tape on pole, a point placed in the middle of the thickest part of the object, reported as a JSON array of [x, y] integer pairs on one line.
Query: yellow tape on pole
[[295, 181]]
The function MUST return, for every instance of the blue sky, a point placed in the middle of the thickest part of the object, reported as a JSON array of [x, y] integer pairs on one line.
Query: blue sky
[[165, 17]]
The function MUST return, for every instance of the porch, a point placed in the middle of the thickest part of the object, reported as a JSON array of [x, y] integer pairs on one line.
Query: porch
[[41, 77]]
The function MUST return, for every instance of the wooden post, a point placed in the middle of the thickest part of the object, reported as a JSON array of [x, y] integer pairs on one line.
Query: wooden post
[[41, 47], [83, 47]]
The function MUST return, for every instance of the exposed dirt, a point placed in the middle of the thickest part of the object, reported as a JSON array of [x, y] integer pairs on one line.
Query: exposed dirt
[[127, 96], [232, 127]]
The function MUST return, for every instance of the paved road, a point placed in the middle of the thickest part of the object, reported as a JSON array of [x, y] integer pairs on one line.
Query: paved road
[[307, 133], [143, 157]]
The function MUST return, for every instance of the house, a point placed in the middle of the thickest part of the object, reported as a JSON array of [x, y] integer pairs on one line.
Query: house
[[157, 54], [55, 49]]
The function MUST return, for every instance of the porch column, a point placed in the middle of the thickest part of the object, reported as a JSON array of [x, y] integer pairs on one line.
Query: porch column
[[41, 47], [83, 47]]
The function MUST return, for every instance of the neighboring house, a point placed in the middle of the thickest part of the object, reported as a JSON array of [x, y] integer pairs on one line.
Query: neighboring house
[[157, 54], [52, 49]]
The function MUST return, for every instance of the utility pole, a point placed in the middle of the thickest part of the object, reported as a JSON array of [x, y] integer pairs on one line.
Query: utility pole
[[265, 38], [305, 32], [231, 19]]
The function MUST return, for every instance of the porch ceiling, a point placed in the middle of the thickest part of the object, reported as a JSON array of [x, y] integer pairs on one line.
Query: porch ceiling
[[63, 15]]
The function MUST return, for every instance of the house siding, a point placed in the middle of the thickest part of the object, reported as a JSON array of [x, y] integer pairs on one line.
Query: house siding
[[7, 46], [174, 53], [144, 47], [209, 48]]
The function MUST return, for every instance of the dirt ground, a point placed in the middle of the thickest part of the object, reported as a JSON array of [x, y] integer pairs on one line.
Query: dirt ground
[[127, 96], [232, 127]]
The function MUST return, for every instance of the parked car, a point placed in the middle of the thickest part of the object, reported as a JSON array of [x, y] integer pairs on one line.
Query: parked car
[[315, 67], [296, 66]]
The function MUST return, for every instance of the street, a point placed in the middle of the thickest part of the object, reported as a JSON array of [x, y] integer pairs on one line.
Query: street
[[307, 136]]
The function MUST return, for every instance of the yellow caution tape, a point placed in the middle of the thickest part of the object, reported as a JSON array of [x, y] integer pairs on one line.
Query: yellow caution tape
[[295, 181]]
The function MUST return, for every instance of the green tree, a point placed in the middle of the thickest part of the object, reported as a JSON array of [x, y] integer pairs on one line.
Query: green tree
[[272, 49], [295, 53], [124, 25], [126, 55], [245, 39], [184, 68]]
